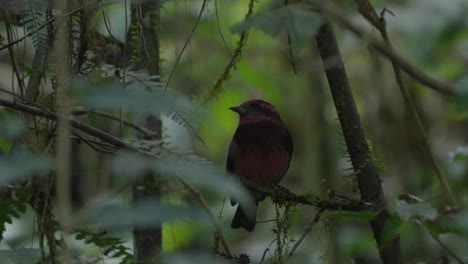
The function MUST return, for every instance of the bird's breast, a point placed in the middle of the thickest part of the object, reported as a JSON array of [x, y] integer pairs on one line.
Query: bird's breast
[[263, 167]]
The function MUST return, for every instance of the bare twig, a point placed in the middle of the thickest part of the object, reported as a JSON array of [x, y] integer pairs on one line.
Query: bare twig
[[77, 111], [290, 48], [442, 244], [306, 231], [211, 92], [219, 28], [93, 144], [441, 86], [186, 44], [146, 132], [74, 123], [197, 195], [367, 10]]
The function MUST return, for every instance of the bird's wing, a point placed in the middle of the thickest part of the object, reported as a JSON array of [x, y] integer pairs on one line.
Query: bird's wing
[[232, 158], [288, 143]]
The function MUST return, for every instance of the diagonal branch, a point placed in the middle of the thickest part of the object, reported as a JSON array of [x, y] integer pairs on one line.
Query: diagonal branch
[[179, 56], [74, 123], [366, 172], [214, 90], [197, 195], [441, 86], [146, 132], [368, 11]]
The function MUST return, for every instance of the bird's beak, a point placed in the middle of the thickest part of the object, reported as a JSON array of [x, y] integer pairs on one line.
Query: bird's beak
[[238, 109]]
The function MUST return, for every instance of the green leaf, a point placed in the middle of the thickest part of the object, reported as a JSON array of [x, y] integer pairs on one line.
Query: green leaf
[[143, 214], [298, 20], [137, 100], [22, 164], [129, 166], [11, 127], [460, 157], [137, 93], [460, 154], [460, 224], [110, 246], [422, 211], [9, 209], [20, 255], [391, 228]]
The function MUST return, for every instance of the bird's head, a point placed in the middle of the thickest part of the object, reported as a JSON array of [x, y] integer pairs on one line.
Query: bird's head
[[256, 110]]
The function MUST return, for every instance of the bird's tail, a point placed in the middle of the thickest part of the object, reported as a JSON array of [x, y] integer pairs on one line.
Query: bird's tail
[[245, 219]]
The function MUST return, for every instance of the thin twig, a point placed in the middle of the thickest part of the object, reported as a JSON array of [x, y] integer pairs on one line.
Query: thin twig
[[195, 26], [74, 123], [147, 133], [437, 239], [441, 86], [82, 111], [197, 195], [290, 48], [90, 143], [219, 28], [264, 255], [212, 92], [307, 231], [367, 10]]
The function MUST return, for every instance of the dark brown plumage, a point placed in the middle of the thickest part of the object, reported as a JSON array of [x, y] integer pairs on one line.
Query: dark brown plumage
[[260, 153]]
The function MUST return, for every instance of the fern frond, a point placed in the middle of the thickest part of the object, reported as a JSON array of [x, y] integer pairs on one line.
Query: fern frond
[[157, 148], [187, 122], [9, 209], [112, 247], [35, 15]]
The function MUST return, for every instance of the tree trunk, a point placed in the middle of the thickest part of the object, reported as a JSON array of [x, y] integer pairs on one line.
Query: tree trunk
[[366, 172]]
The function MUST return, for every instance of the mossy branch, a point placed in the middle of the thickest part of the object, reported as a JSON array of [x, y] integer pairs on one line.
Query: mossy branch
[[333, 202], [217, 88], [366, 171]]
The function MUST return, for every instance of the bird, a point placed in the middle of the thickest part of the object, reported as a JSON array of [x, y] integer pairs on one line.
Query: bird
[[259, 154]]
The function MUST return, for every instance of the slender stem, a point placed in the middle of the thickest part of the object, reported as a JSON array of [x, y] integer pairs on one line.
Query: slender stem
[[368, 11], [197, 195], [74, 123], [61, 58], [146, 132]]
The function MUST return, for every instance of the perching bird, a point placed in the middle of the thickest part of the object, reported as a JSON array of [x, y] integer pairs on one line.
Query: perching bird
[[260, 153]]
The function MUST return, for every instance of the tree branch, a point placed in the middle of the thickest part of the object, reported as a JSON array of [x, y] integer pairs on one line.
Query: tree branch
[[368, 11], [74, 123], [279, 195], [444, 87], [366, 173], [197, 195], [146, 132]]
